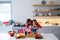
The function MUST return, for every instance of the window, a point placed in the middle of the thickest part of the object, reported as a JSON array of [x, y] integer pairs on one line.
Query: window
[[5, 11]]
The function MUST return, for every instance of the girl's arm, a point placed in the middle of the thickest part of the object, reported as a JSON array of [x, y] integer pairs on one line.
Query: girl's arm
[[39, 26]]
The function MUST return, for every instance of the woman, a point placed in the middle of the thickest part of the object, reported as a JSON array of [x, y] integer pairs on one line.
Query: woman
[[28, 26], [28, 23]]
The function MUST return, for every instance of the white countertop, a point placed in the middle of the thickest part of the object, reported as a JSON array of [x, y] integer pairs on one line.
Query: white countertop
[[50, 36]]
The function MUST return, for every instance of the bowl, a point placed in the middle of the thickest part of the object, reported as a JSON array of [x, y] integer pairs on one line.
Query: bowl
[[11, 33]]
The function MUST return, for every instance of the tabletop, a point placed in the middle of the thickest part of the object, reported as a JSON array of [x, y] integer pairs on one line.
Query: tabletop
[[46, 36]]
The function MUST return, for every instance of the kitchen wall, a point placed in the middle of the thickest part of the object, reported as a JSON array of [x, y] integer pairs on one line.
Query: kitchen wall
[[23, 9]]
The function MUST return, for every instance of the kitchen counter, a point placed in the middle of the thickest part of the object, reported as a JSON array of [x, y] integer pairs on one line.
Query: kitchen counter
[[50, 36]]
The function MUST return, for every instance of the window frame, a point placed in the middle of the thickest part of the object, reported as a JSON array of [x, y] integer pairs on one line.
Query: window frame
[[7, 2]]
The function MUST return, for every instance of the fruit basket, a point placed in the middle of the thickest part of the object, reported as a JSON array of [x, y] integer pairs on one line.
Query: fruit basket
[[19, 35], [22, 35]]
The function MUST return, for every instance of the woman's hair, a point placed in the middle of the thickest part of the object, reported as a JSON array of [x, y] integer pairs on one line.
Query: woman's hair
[[28, 22]]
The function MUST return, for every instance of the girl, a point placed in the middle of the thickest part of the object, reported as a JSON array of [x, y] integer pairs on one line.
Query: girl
[[35, 26]]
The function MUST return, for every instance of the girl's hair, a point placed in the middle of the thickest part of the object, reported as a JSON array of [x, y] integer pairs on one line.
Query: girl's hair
[[35, 20], [38, 25]]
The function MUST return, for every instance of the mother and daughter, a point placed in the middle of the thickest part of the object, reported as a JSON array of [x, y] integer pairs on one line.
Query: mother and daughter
[[32, 26]]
